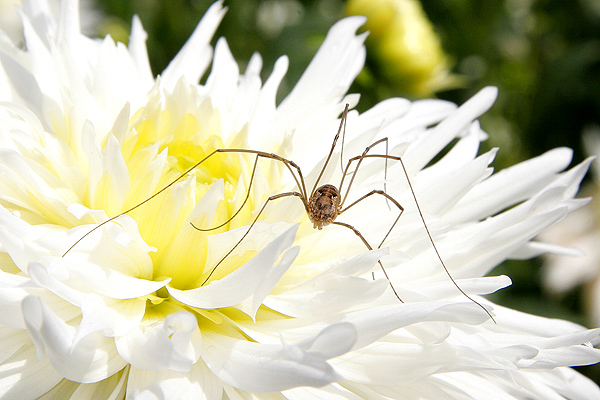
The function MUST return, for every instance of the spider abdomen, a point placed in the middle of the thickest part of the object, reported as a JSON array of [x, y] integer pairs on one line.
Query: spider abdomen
[[324, 206]]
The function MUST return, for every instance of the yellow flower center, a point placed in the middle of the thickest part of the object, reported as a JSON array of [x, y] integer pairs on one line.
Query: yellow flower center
[[184, 254]]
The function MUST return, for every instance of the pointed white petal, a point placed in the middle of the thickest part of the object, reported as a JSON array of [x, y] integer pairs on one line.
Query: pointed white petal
[[511, 185], [139, 53], [318, 95], [194, 57], [330, 73], [423, 151], [223, 80]]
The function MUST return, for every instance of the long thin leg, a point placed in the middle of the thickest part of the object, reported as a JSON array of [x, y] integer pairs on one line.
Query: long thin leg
[[344, 120], [240, 208], [274, 197], [288, 163], [359, 159], [335, 139], [356, 231], [397, 158], [388, 197]]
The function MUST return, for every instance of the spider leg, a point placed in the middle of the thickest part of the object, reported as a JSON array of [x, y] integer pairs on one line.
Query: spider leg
[[397, 158], [357, 233], [290, 165], [360, 160], [388, 197], [271, 198], [240, 208], [335, 139]]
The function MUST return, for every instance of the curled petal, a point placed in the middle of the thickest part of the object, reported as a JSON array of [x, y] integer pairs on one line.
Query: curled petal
[[254, 280], [90, 360], [198, 383], [265, 368], [158, 345]]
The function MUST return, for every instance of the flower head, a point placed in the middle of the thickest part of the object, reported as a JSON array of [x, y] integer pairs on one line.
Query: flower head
[[407, 51], [138, 309]]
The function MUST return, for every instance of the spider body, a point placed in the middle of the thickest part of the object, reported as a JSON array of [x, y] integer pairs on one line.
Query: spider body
[[324, 206]]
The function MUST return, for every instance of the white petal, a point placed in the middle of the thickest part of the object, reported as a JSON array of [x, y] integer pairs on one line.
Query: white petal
[[374, 323], [568, 382], [194, 57], [361, 129], [455, 184], [19, 239], [68, 22], [40, 276], [94, 358], [112, 388], [109, 316], [128, 225], [317, 96], [269, 280], [511, 185], [330, 73], [114, 165], [139, 53], [261, 130], [516, 321], [459, 155], [24, 377], [263, 368], [446, 289], [28, 88], [40, 16], [328, 392], [21, 179], [198, 384], [12, 340], [10, 304], [223, 79], [41, 59], [332, 291], [11, 298], [247, 281], [331, 342], [422, 114], [423, 151], [64, 274], [156, 345]]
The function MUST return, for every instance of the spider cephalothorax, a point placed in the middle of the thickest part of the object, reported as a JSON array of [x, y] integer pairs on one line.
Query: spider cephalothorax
[[324, 206]]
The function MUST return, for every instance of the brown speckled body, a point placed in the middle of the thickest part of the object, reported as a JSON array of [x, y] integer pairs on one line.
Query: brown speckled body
[[324, 206]]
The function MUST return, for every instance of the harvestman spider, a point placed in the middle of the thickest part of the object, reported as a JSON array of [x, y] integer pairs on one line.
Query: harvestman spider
[[323, 206]]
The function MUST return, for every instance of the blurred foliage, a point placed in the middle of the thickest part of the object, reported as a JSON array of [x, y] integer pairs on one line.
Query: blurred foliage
[[544, 55]]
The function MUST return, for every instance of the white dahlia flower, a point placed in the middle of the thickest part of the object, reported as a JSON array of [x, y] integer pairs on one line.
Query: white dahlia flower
[[87, 132]]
